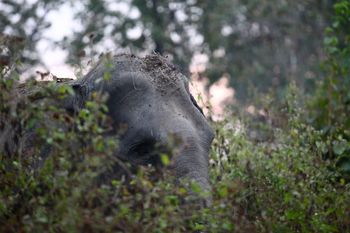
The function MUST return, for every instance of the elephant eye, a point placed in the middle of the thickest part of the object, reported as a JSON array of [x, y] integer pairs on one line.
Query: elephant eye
[[147, 152], [143, 148]]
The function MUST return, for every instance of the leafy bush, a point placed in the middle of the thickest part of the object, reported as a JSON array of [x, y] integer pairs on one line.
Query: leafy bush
[[330, 106], [282, 185]]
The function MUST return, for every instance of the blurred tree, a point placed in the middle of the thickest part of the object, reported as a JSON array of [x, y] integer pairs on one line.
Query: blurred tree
[[264, 44], [330, 105], [22, 24], [261, 44], [152, 25]]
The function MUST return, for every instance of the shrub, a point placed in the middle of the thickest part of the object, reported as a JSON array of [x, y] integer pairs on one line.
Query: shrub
[[330, 106]]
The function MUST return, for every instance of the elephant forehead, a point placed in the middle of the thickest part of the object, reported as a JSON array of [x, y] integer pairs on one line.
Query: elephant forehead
[[161, 72], [155, 68]]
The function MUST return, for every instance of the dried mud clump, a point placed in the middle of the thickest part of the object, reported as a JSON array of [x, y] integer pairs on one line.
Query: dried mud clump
[[157, 68]]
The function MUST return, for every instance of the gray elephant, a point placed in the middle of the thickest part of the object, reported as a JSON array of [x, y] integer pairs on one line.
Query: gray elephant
[[151, 97]]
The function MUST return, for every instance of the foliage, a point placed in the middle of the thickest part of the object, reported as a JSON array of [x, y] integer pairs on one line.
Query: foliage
[[330, 106], [284, 185], [279, 186], [264, 45]]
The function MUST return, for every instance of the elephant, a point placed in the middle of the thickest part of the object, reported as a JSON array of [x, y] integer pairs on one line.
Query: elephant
[[151, 97]]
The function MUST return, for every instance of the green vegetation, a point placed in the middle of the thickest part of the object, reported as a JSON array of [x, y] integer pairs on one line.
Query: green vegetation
[[284, 185], [296, 179]]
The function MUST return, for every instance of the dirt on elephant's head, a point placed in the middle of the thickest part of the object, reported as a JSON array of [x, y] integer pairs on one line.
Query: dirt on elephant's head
[[157, 68]]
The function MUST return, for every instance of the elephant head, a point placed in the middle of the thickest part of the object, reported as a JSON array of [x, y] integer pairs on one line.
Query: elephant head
[[151, 98]]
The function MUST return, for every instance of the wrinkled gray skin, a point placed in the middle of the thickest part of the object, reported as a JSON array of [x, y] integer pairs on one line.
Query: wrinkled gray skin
[[152, 98]]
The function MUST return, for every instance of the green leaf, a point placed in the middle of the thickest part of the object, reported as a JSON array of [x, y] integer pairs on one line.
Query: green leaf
[[343, 164], [172, 199], [49, 140], [165, 159], [330, 41], [340, 147], [198, 227], [223, 192], [228, 226], [106, 76], [293, 215], [15, 164], [115, 182], [84, 113], [196, 188]]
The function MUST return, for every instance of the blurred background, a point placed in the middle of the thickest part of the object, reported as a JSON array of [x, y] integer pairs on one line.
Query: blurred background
[[233, 50]]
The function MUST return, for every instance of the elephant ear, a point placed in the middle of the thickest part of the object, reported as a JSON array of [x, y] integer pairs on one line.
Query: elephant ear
[[76, 101], [194, 102]]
